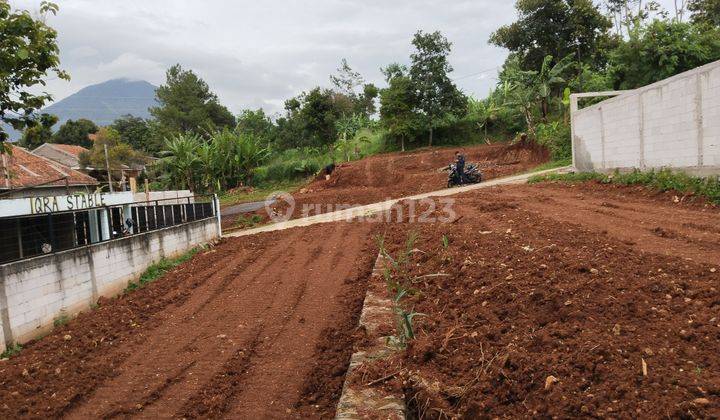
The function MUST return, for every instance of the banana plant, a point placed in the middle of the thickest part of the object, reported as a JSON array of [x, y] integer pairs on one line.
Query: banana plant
[[180, 160], [549, 78]]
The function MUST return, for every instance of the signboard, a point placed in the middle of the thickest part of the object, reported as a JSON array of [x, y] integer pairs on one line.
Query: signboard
[[61, 203]]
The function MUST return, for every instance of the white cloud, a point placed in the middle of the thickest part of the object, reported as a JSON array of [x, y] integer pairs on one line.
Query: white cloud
[[257, 54]]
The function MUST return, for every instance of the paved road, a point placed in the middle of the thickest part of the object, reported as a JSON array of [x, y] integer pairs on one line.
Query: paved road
[[370, 209], [242, 208]]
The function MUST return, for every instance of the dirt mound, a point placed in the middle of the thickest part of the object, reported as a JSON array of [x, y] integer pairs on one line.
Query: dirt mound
[[381, 177], [522, 151], [533, 317]]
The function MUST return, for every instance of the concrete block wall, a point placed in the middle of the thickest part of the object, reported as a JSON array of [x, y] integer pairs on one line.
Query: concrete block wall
[[672, 123], [35, 292]]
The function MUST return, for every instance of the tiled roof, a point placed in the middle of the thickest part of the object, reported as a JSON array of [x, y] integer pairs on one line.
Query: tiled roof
[[69, 148], [27, 170], [64, 154]]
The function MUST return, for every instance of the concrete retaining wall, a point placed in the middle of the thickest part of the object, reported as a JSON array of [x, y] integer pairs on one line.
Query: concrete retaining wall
[[34, 292], [672, 123]]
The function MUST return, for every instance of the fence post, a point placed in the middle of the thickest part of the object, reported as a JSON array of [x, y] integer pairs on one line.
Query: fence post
[[104, 224], [216, 208], [573, 145], [6, 336], [602, 137], [641, 125], [699, 120]]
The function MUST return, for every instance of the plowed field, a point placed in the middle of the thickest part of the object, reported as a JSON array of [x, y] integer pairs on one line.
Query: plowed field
[[548, 300]]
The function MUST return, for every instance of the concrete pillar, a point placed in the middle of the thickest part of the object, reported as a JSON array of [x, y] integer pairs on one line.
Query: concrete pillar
[[94, 232], [6, 336], [573, 141], [699, 119], [3, 347], [216, 208], [602, 137], [104, 224], [127, 214], [641, 125]]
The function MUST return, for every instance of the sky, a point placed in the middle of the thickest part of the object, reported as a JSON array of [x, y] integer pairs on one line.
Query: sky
[[259, 53]]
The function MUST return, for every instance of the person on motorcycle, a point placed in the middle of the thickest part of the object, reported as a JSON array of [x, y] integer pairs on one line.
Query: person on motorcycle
[[460, 166]]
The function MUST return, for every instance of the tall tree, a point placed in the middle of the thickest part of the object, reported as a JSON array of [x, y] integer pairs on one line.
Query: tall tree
[[348, 83], [366, 102], [75, 132], [28, 53], [39, 132], [346, 80], [660, 50], [437, 95], [397, 109], [137, 132], [256, 123], [557, 28], [706, 12], [318, 115], [118, 153], [188, 105]]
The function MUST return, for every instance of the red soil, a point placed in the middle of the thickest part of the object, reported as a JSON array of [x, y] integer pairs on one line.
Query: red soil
[[573, 287], [381, 177], [582, 283], [254, 328]]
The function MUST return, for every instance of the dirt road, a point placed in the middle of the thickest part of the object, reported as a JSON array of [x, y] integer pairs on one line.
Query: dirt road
[[251, 329]]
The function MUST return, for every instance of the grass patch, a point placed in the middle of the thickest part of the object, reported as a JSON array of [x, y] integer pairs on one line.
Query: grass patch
[[61, 320], [159, 269], [261, 192], [396, 274], [552, 165], [11, 351], [248, 222], [662, 180], [301, 163]]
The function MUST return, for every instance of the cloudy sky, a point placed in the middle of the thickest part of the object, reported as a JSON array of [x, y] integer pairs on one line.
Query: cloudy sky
[[259, 53]]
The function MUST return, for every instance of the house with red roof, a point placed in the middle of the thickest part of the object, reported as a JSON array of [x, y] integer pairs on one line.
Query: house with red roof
[[26, 174], [65, 154]]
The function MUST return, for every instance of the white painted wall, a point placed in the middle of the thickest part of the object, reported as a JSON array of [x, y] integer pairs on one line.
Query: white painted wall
[[34, 292], [673, 123], [164, 195]]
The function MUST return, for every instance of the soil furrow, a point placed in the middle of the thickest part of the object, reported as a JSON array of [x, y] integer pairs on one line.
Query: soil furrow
[[189, 327]]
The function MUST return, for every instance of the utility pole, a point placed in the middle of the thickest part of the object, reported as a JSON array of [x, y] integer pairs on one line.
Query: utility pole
[[6, 171], [107, 165]]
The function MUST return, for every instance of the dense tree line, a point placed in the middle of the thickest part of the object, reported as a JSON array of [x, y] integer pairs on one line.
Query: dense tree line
[[556, 47]]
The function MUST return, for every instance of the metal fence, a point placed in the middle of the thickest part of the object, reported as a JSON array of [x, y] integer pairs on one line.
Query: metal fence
[[28, 236]]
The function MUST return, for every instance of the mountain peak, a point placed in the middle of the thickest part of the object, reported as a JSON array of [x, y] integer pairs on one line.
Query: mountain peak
[[104, 102]]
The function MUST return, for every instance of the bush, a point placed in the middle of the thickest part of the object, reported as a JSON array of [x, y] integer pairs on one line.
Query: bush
[[662, 180], [298, 163], [556, 137]]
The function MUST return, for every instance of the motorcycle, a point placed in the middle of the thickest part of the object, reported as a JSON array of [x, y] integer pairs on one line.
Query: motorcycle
[[471, 175]]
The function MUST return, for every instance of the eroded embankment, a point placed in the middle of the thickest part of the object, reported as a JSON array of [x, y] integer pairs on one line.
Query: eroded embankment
[[393, 175]]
